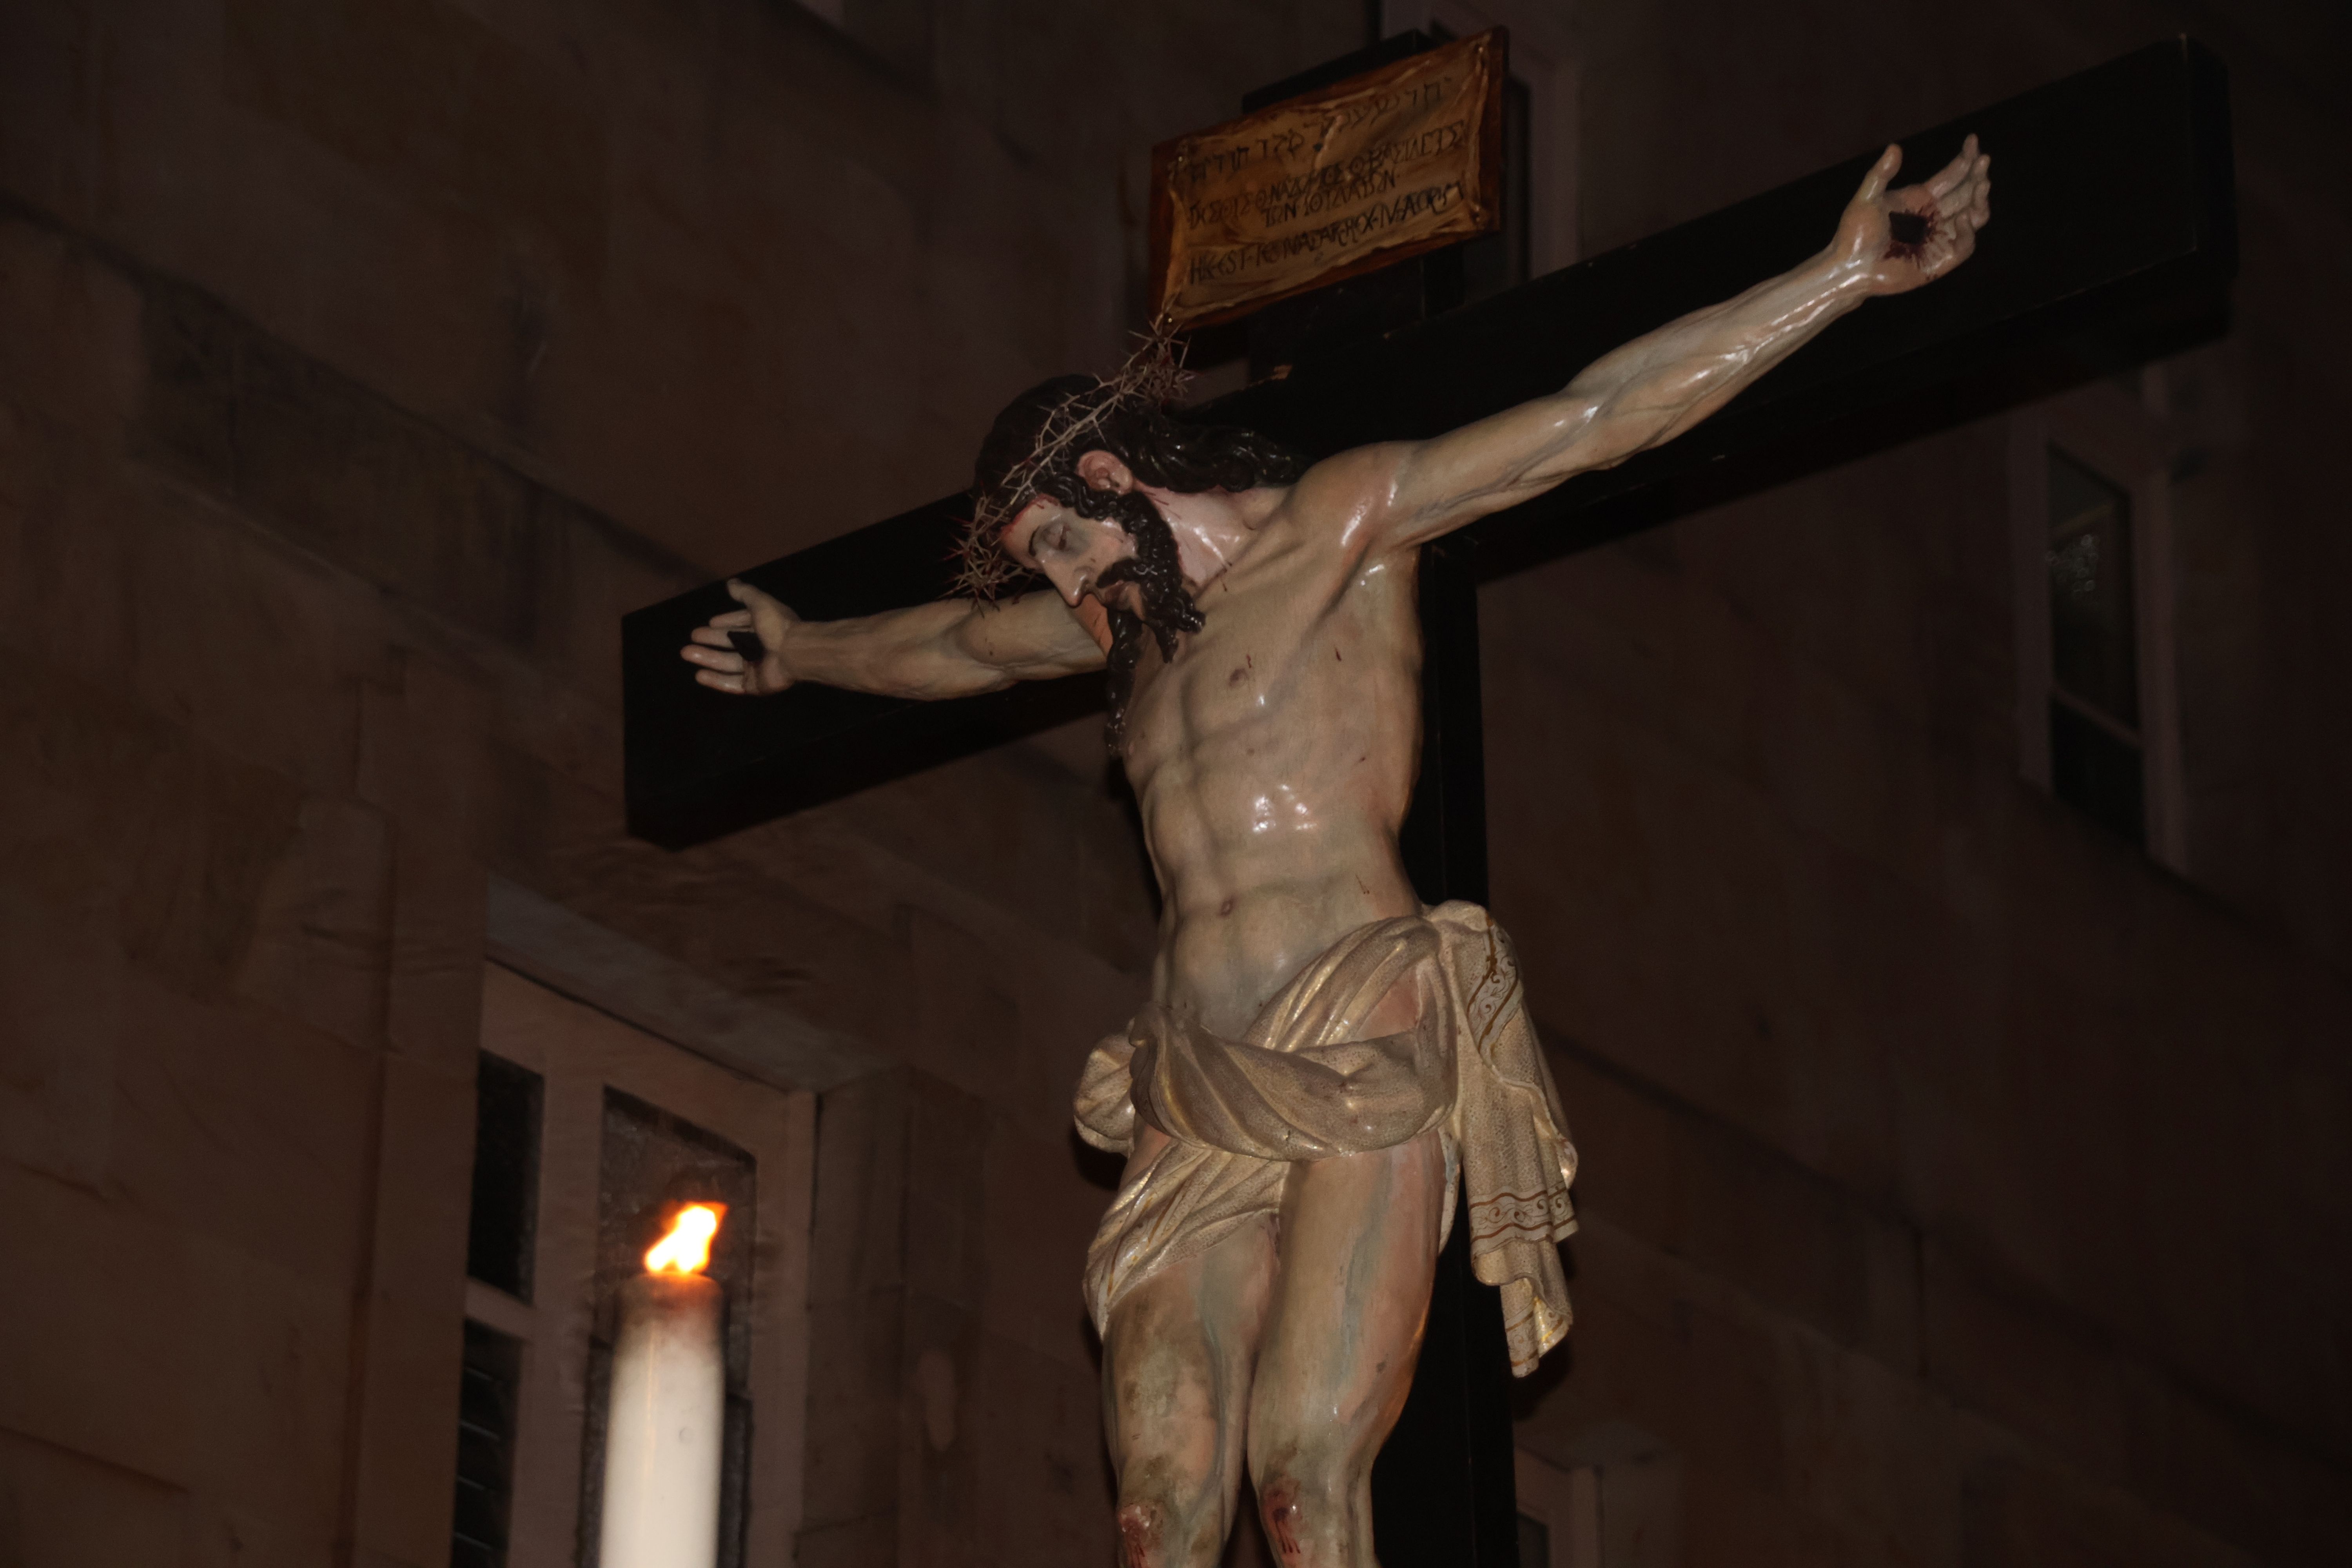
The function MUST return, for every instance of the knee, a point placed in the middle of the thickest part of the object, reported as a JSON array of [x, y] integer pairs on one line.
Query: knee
[[1142, 1533], [1165, 1516], [1305, 1501]]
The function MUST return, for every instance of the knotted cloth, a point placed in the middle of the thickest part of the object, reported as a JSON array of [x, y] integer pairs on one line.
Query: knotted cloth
[[1303, 1086]]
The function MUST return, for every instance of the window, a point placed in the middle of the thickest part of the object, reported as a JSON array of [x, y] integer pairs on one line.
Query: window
[[587, 1131], [1619, 1506], [500, 1231], [650, 1161], [2096, 717], [2095, 762], [1535, 1542], [488, 1393], [501, 1228]]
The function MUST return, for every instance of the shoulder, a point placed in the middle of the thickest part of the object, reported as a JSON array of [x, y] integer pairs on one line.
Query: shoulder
[[1347, 500], [1365, 475]]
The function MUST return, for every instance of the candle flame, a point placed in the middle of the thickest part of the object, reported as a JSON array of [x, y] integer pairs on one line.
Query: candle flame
[[685, 1248]]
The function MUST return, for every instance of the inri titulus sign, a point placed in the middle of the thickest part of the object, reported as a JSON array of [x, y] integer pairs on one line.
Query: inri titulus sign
[[1375, 169]]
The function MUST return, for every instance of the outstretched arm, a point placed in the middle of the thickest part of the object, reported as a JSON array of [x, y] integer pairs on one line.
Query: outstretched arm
[[1658, 386], [957, 648]]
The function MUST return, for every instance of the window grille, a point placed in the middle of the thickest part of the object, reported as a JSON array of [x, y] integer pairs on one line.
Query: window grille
[[490, 1395]]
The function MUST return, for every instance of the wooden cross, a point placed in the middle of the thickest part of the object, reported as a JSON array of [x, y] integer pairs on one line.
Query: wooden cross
[[2114, 243]]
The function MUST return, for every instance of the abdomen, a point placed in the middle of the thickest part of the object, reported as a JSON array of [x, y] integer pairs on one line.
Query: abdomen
[[1273, 824]]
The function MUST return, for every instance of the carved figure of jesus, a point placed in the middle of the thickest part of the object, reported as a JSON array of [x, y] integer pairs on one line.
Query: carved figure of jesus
[[1321, 1059]]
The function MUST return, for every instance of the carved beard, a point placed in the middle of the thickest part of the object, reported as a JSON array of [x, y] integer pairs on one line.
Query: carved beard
[[1168, 607], [1154, 569]]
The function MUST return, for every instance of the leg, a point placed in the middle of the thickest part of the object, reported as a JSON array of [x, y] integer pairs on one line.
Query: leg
[[1359, 1254], [1176, 1371]]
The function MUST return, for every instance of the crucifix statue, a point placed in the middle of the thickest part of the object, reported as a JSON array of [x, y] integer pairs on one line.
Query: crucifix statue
[[1322, 1062], [1333, 1045]]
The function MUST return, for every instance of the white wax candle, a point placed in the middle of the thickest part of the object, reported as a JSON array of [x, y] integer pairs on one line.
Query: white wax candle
[[665, 1428]]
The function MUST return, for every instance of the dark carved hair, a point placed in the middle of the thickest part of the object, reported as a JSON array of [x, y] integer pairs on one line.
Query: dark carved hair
[[1164, 452]]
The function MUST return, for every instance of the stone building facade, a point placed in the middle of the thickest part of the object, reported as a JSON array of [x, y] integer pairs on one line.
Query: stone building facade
[[1963, 1182]]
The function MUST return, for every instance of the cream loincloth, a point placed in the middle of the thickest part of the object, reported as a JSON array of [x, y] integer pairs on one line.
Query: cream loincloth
[[1302, 1086]]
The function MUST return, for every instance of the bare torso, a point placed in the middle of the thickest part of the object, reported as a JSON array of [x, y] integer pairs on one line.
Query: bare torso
[[1274, 760]]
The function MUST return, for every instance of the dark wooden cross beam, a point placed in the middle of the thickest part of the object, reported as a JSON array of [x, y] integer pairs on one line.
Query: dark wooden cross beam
[[2113, 243]]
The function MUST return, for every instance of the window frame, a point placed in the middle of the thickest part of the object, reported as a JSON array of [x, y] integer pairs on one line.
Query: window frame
[[579, 1050], [1566, 1502], [2123, 437]]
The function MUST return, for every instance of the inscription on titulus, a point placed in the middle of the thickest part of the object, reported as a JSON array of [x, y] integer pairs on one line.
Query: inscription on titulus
[[1376, 169]]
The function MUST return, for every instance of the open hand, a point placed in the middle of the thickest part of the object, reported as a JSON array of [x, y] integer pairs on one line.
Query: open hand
[[1900, 239], [725, 669]]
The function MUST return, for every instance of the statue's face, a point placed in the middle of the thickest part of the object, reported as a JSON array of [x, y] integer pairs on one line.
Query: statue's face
[[1079, 556]]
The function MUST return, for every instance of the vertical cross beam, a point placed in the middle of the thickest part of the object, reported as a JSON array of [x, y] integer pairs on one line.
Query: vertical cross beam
[[1442, 1489], [1442, 1492]]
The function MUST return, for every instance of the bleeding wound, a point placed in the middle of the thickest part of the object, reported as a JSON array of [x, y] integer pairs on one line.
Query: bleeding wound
[[1907, 233]]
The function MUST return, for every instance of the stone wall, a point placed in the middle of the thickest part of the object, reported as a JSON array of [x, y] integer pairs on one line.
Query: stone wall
[[359, 364], [1960, 1185], [1959, 1188]]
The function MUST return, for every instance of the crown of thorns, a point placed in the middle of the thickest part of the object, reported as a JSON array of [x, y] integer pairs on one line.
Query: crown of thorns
[[1152, 378]]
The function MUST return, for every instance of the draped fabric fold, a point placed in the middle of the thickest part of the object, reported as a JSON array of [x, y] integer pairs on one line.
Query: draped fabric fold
[[1302, 1085]]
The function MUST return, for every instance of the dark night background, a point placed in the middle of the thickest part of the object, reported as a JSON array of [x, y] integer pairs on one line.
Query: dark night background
[[1942, 925]]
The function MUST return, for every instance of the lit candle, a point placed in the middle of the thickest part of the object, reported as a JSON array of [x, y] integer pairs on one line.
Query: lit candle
[[665, 1429]]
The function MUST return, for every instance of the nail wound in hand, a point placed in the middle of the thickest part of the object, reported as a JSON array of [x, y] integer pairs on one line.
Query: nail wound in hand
[[1907, 236]]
